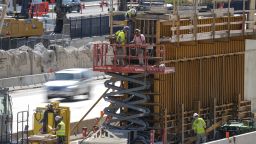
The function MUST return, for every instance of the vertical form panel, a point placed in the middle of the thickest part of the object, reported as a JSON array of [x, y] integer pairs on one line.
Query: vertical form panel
[[221, 77], [157, 90]]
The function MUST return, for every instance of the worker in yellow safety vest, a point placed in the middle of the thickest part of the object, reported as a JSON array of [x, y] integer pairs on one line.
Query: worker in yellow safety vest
[[121, 40], [132, 12], [199, 127], [60, 130]]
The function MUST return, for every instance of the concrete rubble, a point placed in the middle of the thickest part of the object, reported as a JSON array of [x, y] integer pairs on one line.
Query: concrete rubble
[[27, 61]]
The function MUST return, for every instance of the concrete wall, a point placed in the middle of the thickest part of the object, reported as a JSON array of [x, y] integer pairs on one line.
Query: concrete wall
[[27, 61], [249, 71], [248, 138]]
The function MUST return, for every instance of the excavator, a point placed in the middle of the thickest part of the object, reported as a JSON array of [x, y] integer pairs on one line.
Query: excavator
[[19, 24]]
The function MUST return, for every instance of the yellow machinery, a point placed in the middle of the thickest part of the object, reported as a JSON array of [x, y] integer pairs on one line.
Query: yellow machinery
[[15, 27], [21, 28], [46, 136]]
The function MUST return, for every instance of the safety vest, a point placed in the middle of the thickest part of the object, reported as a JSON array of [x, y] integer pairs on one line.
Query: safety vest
[[199, 126], [61, 131], [120, 37], [131, 13]]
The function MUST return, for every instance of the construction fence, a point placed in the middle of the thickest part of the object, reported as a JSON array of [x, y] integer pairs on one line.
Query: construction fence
[[89, 26], [78, 27]]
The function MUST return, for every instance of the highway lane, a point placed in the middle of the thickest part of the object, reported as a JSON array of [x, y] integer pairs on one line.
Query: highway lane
[[29, 99]]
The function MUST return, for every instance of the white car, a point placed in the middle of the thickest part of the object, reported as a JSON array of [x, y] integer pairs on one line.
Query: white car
[[69, 83]]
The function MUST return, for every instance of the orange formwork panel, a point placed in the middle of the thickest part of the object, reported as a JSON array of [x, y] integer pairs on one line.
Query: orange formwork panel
[[202, 72]]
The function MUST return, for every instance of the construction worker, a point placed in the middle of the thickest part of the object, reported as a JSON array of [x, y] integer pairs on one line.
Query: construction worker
[[131, 13], [199, 128], [139, 39], [44, 120], [121, 40], [60, 130]]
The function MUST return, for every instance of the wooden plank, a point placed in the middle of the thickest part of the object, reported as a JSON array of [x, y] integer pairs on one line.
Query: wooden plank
[[158, 30], [182, 124], [165, 127], [120, 23], [238, 104]]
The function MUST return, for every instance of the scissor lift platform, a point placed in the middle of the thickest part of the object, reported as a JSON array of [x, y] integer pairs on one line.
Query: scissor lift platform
[[106, 57]]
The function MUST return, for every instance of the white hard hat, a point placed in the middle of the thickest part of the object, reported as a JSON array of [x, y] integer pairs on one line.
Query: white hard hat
[[195, 115], [57, 118]]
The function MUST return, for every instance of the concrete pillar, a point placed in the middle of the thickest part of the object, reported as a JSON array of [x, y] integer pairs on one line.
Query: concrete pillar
[[251, 14], [249, 73]]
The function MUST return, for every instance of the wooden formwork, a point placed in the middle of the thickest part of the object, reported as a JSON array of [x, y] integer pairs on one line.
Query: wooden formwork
[[209, 76]]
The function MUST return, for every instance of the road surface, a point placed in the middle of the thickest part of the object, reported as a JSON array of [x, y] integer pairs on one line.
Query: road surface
[[29, 99], [91, 8]]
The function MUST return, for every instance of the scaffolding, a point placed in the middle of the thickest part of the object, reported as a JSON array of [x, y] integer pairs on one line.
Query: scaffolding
[[207, 51]]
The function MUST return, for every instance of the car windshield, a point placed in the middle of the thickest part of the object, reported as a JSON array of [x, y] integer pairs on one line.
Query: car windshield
[[66, 76], [69, 1], [66, 1]]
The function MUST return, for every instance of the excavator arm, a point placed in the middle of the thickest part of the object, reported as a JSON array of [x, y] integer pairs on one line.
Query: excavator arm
[[60, 16], [24, 9], [3, 10]]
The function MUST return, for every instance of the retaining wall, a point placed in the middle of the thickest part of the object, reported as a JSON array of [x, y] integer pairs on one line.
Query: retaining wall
[[28, 61]]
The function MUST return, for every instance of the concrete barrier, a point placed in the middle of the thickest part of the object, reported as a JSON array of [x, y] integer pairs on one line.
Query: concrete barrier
[[247, 138], [29, 80]]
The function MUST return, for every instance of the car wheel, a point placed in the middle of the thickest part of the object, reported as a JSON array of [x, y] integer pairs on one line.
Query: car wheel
[[78, 9], [88, 95], [70, 98], [69, 10], [48, 97]]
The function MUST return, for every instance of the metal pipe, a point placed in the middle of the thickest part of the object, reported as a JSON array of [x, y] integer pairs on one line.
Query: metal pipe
[[76, 126], [111, 17]]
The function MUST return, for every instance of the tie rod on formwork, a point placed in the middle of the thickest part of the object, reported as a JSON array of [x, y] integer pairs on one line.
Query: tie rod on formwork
[[201, 57], [133, 100]]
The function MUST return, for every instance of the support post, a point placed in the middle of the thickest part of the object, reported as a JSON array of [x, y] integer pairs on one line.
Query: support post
[[182, 124], [244, 19], [152, 136], [165, 127], [111, 17], [214, 114], [229, 18], [238, 105], [251, 14], [195, 20]]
